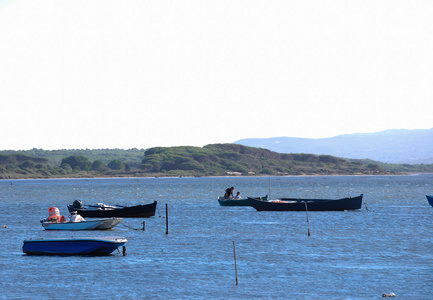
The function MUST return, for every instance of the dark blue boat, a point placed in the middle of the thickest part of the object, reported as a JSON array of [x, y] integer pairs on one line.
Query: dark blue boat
[[237, 202], [113, 211], [296, 204], [73, 246], [430, 199]]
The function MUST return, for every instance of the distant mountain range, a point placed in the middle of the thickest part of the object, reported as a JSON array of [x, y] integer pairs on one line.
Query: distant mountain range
[[389, 146]]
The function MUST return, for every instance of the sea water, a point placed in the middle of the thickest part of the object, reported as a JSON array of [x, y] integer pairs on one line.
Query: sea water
[[385, 247]]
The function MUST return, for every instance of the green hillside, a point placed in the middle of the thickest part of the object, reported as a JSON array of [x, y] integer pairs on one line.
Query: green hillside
[[231, 159]]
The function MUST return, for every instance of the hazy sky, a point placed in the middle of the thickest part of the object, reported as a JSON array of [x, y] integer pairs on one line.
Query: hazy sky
[[138, 74]]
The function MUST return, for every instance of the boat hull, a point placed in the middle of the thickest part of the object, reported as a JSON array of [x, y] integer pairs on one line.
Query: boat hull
[[100, 224], [295, 204], [73, 246], [430, 199], [138, 211], [240, 202]]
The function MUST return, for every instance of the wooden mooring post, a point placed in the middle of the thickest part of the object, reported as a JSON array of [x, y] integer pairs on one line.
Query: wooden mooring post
[[166, 218], [236, 266], [308, 222]]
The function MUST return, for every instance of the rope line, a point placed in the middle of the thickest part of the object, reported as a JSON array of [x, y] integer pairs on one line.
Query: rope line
[[130, 227]]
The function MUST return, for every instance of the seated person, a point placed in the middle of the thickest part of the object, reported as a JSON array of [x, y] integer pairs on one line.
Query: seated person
[[55, 216], [238, 196], [76, 217]]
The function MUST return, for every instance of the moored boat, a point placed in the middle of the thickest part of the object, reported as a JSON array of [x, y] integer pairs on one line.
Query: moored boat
[[73, 246], [98, 224], [108, 211], [430, 199], [237, 202], [296, 204]]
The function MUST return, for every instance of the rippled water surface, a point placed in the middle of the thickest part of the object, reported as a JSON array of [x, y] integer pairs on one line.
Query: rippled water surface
[[385, 247]]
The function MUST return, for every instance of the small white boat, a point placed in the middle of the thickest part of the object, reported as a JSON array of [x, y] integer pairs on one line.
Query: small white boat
[[97, 224]]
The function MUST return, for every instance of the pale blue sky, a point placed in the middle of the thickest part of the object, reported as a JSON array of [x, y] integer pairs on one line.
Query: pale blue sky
[[124, 74]]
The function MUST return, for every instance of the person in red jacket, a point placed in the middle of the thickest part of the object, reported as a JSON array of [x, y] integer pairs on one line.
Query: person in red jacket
[[55, 216]]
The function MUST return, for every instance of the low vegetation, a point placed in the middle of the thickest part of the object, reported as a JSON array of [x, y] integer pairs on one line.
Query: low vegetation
[[210, 160], [38, 163]]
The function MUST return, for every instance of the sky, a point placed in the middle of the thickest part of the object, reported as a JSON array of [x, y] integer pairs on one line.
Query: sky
[[93, 74]]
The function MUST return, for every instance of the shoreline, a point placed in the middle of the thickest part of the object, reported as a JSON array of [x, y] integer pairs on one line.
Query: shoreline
[[222, 176]]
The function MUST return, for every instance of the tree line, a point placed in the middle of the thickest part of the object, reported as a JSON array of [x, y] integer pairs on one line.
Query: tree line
[[25, 166], [210, 160]]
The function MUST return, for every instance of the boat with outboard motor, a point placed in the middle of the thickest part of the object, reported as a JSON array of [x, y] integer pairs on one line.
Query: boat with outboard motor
[[76, 222], [101, 210], [98, 224]]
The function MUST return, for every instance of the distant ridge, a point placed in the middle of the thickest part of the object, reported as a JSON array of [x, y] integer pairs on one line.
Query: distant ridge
[[389, 146]]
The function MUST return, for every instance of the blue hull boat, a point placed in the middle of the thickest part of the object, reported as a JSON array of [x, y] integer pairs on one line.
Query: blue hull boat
[[430, 199], [73, 246]]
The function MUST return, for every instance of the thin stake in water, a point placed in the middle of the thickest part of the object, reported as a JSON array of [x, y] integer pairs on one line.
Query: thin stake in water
[[366, 207], [236, 267], [269, 188], [308, 222], [166, 218]]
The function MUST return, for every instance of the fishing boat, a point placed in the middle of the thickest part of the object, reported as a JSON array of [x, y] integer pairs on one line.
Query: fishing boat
[[296, 204], [73, 246], [101, 210], [98, 224], [430, 199], [237, 202]]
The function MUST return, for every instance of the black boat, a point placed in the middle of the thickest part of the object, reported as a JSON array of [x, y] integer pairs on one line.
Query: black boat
[[237, 202], [430, 199], [108, 211], [296, 204]]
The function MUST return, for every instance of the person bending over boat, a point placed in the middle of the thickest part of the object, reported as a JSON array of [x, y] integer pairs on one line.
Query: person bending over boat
[[229, 193]]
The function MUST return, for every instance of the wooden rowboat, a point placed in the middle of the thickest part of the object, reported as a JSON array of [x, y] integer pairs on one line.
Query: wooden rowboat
[[295, 204], [237, 202]]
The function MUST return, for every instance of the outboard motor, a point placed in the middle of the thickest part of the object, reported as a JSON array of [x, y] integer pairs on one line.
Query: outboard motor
[[77, 204]]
